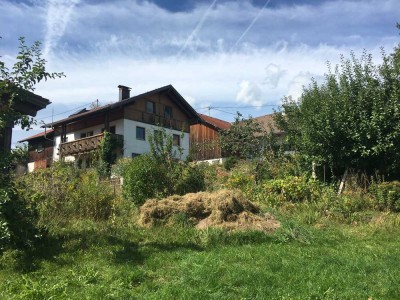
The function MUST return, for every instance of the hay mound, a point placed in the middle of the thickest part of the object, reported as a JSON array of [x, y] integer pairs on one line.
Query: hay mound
[[225, 208]]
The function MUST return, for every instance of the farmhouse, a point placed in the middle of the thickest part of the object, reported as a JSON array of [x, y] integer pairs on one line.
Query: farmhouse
[[130, 120]]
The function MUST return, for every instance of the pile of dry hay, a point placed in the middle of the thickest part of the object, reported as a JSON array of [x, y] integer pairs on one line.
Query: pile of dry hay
[[225, 209]]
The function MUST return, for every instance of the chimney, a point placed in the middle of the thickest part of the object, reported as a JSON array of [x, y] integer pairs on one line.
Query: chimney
[[124, 92]]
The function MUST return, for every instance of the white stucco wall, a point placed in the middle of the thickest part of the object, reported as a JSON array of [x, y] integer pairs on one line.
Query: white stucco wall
[[72, 136], [127, 128], [133, 145], [31, 167]]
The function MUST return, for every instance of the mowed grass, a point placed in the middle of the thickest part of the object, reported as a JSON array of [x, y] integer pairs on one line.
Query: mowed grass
[[89, 260]]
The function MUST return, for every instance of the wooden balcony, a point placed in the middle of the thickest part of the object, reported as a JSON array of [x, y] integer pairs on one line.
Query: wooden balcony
[[156, 119], [84, 145]]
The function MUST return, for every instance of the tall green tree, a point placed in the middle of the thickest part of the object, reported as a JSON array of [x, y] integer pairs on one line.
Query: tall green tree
[[28, 70], [17, 225], [352, 119], [244, 139]]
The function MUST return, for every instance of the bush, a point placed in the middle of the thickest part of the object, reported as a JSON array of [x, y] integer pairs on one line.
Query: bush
[[18, 219], [230, 162], [92, 199], [290, 189], [61, 193], [143, 179], [386, 195], [191, 180]]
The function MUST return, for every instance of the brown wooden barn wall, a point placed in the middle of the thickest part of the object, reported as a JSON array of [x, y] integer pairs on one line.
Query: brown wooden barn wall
[[204, 142]]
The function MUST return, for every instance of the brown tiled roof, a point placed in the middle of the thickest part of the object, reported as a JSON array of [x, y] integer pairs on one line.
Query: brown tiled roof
[[215, 122], [267, 122], [47, 132]]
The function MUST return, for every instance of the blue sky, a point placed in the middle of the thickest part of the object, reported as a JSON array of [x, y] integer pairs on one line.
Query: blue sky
[[220, 53]]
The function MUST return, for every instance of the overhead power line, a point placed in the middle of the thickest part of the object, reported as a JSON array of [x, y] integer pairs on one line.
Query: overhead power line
[[61, 113]]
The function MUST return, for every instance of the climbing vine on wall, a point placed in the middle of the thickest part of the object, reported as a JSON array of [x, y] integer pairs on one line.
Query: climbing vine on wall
[[108, 153]]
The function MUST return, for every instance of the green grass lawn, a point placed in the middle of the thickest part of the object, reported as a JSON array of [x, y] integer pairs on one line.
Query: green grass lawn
[[90, 260]]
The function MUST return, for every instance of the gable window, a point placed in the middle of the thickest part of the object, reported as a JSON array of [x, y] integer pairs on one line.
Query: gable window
[[150, 107], [176, 140], [140, 133], [168, 112]]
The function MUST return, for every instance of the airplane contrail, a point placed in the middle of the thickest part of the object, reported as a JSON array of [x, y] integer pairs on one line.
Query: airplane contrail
[[58, 16], [250, 26], [197, 28]]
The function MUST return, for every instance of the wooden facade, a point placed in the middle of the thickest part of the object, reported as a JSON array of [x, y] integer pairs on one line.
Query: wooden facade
[[205, 138], [40, 149]]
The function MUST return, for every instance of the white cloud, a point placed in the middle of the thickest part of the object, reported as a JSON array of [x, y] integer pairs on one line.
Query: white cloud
[[273, 74], [58, 16], [249, 93], [102, 44]]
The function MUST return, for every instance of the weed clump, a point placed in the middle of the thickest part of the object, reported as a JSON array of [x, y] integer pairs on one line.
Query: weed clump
[[227, 209]]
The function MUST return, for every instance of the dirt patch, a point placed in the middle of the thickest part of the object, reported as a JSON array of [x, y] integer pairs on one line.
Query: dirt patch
[[225, 208]]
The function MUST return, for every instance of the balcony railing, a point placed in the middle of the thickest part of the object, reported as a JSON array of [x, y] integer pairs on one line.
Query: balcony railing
[[157, 120], [83, 145]]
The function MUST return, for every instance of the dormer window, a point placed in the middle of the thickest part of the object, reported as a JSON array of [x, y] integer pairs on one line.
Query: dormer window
[[150, 107]]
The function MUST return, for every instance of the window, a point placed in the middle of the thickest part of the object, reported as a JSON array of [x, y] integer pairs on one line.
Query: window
[[140, 133], [168, 112], [86, 134], [135, 155], [150, 107], [39, 147], [176, 140]]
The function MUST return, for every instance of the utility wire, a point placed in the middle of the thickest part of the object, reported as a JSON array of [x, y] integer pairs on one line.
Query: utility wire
[[61, 113], [248, 106], [227, 112]]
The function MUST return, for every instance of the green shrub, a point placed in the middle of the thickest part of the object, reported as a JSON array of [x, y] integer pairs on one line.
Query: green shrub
[[290, 189], [230, 163], [61, 193], [190, 180], [386, 195], [92, 199], [18, 220], [144, 178]]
